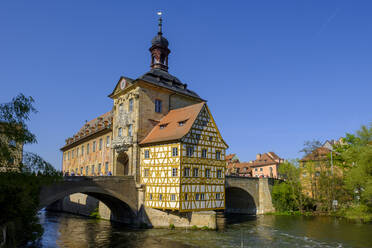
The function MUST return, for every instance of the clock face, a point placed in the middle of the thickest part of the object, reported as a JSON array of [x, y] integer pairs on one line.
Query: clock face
[[123, 83]]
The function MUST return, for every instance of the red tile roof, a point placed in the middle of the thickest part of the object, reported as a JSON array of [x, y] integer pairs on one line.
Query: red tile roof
[[172, 130]]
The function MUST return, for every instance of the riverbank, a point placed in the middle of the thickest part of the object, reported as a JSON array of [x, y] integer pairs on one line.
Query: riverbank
[[356, 212]]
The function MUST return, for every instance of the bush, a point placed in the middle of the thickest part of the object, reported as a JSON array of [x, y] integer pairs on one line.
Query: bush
[[171, 226]]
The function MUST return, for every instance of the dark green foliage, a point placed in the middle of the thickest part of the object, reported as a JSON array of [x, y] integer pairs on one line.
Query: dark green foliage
[[19, 190], [284, 198]]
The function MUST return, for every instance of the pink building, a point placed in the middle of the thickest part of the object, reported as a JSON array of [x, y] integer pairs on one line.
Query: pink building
[[266, 165]]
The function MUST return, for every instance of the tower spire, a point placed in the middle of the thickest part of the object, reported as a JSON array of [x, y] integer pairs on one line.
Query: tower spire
[[160, 32], [159, 48]]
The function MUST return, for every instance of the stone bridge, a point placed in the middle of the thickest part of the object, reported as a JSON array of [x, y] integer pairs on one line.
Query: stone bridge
[[119, 194], [124, 199], [248, 195]]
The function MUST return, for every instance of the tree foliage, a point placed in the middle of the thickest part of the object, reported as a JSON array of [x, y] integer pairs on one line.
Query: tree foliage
[[19, 190]]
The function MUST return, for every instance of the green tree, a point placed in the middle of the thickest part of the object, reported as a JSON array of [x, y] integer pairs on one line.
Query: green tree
[[19, 191]]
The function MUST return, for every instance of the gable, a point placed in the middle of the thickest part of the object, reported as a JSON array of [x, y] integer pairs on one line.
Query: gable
[[122, 84], [204, 131]]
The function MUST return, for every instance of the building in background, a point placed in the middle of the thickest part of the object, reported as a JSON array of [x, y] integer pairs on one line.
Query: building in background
[[315, 163], [265, 165]]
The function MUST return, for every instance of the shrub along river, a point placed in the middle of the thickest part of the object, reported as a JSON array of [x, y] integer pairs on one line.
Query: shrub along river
[[66, 230]]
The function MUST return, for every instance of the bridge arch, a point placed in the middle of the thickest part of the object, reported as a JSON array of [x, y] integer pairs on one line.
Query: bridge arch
[[240, 201], [242, 195], [123, 206]]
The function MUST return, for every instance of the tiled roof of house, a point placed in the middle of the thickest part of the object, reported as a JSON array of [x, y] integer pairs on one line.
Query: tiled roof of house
[[230, 156], [169, 129], [91, 127], [321, 153]]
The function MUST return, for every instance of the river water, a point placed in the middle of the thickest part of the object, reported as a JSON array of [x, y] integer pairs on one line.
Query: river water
[[65, 230]]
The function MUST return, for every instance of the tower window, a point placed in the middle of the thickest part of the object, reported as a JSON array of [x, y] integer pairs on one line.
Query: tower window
[[174, 151], [130, 130], [130, 108], [158, 106], [207, 173], [147, 153], [186, 172], [120, 131], [195, 172], [147, 172], [87, 148], [82, 150], [77, 152], [219, 173], [204, 153], [68, 156], [189, 151], [100, 144], [120, 107], [107, 141], [174, 172], [218, 155], [94, 146]]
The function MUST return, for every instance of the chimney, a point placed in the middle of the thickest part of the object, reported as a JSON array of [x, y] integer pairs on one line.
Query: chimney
[[258, 156]]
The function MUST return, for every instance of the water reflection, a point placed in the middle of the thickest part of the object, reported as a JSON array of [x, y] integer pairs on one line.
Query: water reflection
[[65, 230]]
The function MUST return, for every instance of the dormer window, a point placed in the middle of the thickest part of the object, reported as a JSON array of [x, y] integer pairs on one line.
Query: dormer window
[[162, 126], [181, 123]]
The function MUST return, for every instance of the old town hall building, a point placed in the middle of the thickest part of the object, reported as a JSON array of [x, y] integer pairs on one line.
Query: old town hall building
[[160, 132]]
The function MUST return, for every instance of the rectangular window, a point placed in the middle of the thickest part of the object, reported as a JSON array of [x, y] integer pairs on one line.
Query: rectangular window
[[72, 154], [185, 196], [68, 156], [81, 171], [218, 155], [174, 151], [106, 168], [150, 196], [87, 170], [94, 146], [261, 169], [174, 172], [158, 106], [93, 172], [197, 196], [204, 153], [189, 151], [77, 152], [162, 126], [107, 141], [99, 170], [219, 173], [147, 153], [120, 131], [160, 197], [82, 150], [218, 196], [186, 172], [87, 148], [181, 123], [147, 172], [202, 196], [173, 197], [130, 108], [130, 130], [207, 173], [120, 107], [255, 169], [100, 144], [195, 172]]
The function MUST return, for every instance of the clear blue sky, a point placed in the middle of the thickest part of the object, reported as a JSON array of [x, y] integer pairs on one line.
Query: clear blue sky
[[275, 73]]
